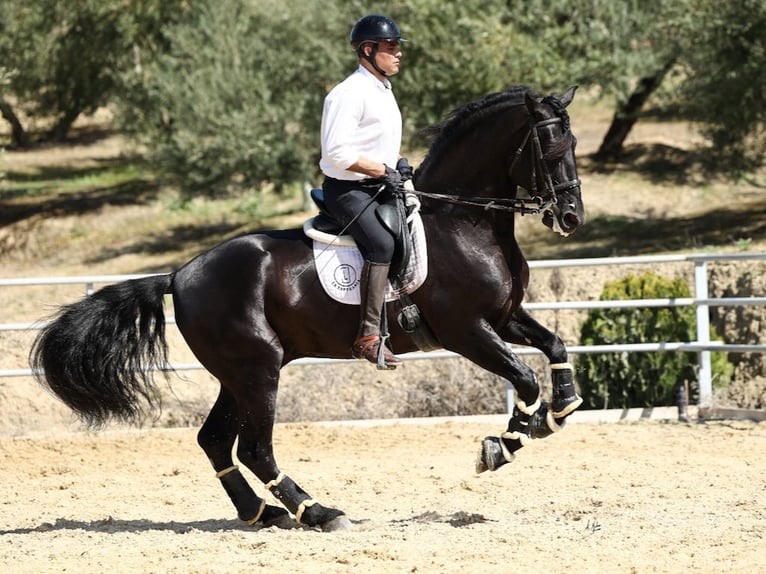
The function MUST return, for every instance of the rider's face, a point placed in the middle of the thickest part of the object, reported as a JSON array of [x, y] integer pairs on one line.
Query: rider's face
[[388, 57]]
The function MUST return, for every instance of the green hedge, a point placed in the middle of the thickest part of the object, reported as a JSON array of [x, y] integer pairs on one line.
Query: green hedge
[[625, 380]]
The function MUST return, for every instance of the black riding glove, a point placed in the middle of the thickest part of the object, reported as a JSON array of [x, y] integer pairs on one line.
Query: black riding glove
[[404, 168], [393, 180]]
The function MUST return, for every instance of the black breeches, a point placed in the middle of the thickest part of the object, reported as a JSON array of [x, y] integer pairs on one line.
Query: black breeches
[[351, 202]]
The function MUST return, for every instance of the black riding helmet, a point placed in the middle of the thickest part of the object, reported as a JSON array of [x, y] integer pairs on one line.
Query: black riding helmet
[[372, 29]]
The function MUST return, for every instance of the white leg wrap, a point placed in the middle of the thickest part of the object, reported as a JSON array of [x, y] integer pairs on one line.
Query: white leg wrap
[[515, 435], [528, 410], [226, 471], [257, 517], [552, 424], [507, 454], [272, 483], [302, 508]]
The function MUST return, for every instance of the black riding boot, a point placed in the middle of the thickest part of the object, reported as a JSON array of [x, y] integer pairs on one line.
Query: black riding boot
[[373, 291]]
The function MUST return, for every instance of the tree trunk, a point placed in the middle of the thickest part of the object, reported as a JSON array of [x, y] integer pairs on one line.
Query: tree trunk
[[60, 131], [19, 136], [627, 114]]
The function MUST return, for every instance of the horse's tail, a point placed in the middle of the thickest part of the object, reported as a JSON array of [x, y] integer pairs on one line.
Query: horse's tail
[[98, 354]]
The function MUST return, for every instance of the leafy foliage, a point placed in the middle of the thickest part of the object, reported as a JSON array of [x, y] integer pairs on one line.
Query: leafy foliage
[[64, 57], [459, 51], [227, 95], [236, 101], [725, 78], [603, 43], [624, 380], [709, 59]]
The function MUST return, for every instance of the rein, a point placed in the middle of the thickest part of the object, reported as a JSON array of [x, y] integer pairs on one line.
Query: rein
[[536, 204], [531, 206]]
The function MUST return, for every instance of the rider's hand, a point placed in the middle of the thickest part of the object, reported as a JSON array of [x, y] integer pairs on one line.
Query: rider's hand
[[393, 180], [404, 168]]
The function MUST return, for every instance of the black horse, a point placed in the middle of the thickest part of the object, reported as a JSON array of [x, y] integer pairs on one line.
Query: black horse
[[252, 304]]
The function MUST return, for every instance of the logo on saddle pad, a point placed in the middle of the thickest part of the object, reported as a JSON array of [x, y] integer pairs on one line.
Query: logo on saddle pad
[[345, 277], [339, 265]]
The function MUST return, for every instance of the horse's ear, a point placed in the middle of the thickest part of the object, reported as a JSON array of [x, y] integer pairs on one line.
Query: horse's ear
[[568, 96], [531, 103]]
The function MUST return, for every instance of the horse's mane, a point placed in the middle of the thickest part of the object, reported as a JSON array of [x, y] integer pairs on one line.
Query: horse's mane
[[462, 119]]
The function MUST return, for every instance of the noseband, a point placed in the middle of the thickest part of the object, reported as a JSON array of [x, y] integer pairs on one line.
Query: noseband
[[533, 205], [539, 166]]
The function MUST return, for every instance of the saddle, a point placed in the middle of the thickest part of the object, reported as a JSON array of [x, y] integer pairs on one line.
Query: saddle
[[397, 216]]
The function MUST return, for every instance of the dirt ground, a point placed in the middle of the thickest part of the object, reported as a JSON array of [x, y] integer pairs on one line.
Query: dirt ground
[[644, 496], [639, 497]]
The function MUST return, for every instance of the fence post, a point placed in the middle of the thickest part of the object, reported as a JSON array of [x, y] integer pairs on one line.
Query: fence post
[[703, 336]]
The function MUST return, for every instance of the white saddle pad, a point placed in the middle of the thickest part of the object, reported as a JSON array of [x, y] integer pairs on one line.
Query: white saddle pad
[[339, 264]]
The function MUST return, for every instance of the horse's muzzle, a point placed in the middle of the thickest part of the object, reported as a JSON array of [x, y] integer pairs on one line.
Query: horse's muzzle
[[564, 221]]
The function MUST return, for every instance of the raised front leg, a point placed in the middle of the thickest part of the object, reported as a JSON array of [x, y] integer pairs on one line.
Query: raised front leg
[[485, 347], [523, 329]]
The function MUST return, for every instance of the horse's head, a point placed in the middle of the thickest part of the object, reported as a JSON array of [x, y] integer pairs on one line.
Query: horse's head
[[552, 170], [486, 149]]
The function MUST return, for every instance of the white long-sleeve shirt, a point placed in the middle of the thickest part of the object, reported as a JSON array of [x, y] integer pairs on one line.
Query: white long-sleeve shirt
[[360, 119]]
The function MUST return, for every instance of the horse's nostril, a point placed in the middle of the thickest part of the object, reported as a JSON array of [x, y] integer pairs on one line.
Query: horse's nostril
[[571, 220]]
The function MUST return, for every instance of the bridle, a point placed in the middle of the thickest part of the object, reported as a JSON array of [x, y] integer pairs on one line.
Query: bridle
[[533, 205], [539, 163]]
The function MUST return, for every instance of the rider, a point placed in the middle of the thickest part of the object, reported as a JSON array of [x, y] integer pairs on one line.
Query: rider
[[361, 140]]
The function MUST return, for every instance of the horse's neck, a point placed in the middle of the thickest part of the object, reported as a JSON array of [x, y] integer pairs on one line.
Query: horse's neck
[[460, 227], [474, 233]]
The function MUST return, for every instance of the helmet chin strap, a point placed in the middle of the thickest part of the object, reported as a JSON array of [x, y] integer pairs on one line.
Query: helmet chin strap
[[371, 57]]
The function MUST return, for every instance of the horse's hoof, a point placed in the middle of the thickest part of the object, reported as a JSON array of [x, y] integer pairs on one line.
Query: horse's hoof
[[492, 455], [338, 523], [283, 522]]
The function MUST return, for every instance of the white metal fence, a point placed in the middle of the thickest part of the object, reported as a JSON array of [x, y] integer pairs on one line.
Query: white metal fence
[[701, 301]]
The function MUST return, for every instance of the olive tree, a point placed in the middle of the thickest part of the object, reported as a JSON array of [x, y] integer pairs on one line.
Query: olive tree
[[236, 100], [65, 58], [724, 79]]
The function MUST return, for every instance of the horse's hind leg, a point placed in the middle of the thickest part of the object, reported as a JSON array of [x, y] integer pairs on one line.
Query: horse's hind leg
[[257, 409], [216, 437], [523, 329]]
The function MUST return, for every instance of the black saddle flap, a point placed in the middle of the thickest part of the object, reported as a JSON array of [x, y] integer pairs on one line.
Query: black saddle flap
[[317, 196], [324, 222], [388, 215]]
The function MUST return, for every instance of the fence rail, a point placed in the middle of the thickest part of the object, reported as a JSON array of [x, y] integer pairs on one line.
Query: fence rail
[[701, 302]]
